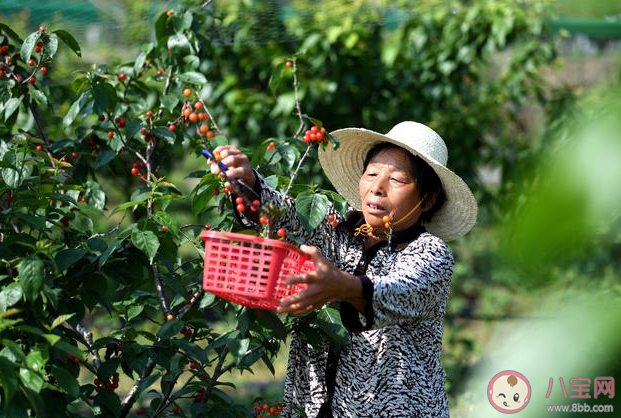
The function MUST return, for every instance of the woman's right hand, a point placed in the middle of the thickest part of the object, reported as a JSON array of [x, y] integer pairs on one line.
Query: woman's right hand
[[238, 164]]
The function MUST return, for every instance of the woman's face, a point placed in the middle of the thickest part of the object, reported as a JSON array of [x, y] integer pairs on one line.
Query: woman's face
[[388, 187]]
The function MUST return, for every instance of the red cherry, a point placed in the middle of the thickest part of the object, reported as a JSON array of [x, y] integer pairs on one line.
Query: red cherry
[[331, 218], [32, 80], [193, 365], [143, 131], [282, 233], [241, 208], [256, 203], [264, 220], [39, 147], [208, 226], [31, 63], [198, 105], [101, 118], [38, 49], [75, 155], [110, 134], [288, 64], [175, 409], [149, 114], [239, 200], [258, 409], [187, 92], [216, 192], [160, 72], [164, 229], [121, 76], [140, 411], [42, 28], [170, 13], [210, 134], [172, 127], [43, 70]]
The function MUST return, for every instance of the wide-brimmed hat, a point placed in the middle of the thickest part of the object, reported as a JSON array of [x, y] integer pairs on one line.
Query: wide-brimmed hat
[[345, 166]]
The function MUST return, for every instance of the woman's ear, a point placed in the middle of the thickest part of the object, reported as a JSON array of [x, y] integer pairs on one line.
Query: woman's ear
[[428, 201]]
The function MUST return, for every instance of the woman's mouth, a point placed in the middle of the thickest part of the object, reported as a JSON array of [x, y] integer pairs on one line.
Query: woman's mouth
[[376, 209]]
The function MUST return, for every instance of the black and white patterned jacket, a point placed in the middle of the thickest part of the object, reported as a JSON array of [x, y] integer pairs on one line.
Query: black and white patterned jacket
[[390, 367]]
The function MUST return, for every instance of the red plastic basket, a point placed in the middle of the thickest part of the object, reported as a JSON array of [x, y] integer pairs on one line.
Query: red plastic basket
[[250, 270]]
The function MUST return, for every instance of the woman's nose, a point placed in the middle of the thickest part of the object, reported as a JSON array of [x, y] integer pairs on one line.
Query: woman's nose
[[378, 186]]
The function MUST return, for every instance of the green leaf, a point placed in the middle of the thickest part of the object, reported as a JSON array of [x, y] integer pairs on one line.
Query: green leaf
[[105, 97], [31, 276], [66, 381], [29, 45], [170, 329], [51, 45], [165, 134], [169, 102], [183, 22], [208, 299], [276, 77], [147, 242], [67, 348], [104, 158], [94, 195], [31, 379], [68, 257], [74, 110], [109, 401], [9, 379], [178, 41], [128, 205], [192, 349], [163, 218], [60, 320], [37, 359], [134, 311], [39, 97], [10, 295], [70, 41], [193, 77], [11, 106], [311, 208], [6, 29], [269, 320]]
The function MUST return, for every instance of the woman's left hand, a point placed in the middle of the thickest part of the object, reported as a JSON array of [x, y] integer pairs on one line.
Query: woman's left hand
[[324, 285]]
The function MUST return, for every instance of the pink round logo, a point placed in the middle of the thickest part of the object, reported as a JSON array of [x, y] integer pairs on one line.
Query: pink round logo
[[508, 392]]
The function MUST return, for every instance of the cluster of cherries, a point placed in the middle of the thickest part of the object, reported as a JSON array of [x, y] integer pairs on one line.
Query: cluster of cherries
[[12, 60], [314, 134], [195, 113], [136, 170], [110, 385], [272, 411]]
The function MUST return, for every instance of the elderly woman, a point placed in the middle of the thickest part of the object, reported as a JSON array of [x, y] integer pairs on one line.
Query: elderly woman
[[386, 263]]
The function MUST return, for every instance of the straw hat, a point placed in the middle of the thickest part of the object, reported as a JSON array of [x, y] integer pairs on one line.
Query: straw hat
[[344, 167]]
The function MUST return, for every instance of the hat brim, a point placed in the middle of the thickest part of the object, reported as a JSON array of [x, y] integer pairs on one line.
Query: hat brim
[[344, 167]]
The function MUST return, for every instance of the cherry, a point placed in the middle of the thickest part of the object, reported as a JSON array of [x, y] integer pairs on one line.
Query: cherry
[[256, 203], [281, 233], [216, 192], [170, 13], [258, 409], [121, 76], [42, 28], [160, 72], [239, 200], [210, 134], [149, 115], [204, 129], [271, 146], [32, 80], [101, 118], [193, 365], [187, 113], [193, 117], [241, 208], [172, 127], [175, 409], [335, 224], [207, 226], [39, 147], [187, 92], [43, 70], [164, 229], [170, 317], [38, 49], [331, 218], [31, 63], [110, 134], [264, 220], [143, 131], [198, 105], [140, 411], [75, 155], [289, 64]]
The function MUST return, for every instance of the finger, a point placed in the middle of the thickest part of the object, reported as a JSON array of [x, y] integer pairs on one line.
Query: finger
[[306, 278], [313, 252]]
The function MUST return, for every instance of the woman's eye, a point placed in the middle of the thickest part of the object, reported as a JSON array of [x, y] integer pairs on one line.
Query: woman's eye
[[396, 180], [516, 397]]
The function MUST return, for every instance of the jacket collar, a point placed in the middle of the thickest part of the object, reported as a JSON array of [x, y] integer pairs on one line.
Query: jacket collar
[[400, 239]]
